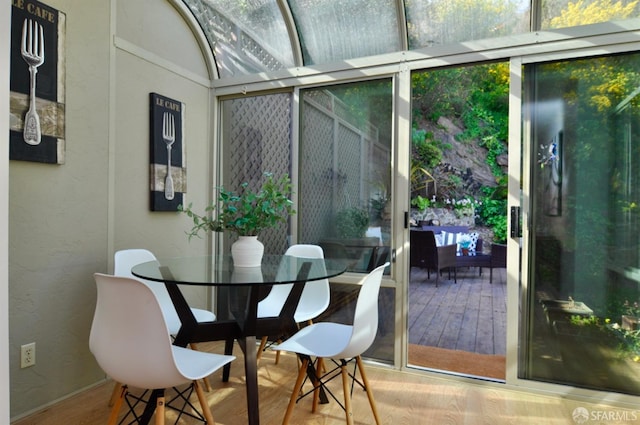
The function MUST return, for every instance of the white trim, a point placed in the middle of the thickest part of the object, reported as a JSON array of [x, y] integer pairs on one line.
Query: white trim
[[156, 60], [400, 198], [295, 162], [292, 31], [201, 38], [514, 200], [403, 29], [610, 37]]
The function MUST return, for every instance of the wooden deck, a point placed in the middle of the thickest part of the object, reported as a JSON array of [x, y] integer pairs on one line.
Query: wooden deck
[[468, 316]]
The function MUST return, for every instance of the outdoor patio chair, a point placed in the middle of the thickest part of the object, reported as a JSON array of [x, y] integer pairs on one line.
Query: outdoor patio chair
[[424, 253]]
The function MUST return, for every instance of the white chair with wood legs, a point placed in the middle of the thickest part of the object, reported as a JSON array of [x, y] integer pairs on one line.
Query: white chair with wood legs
[[340, 343], [130, 341], [124, 260], [313, 301]]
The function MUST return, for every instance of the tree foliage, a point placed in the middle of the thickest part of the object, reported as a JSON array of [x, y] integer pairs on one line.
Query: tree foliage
[[583, 12]]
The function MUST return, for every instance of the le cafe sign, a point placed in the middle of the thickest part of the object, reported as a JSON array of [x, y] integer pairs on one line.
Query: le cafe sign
[[35, 9], [168, 104]]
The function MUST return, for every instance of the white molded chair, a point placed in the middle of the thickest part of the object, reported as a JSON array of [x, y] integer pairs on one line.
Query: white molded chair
[[124, 260], [127, 258], [313, 301], [341, 343], [131, 343]]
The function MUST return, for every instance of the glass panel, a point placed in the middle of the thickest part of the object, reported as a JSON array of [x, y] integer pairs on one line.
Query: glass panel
[[334, 30], [584, 245], [457, 296], [345, 163], [342, 310], [246, 37], [564, 13], [435, 22], [256, 138]]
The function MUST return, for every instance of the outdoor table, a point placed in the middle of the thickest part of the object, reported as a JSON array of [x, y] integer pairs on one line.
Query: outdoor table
[[564, 309], [474, 259], [244, 287]]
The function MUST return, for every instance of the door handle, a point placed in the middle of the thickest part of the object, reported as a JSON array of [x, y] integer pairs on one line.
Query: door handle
[[516, 228]]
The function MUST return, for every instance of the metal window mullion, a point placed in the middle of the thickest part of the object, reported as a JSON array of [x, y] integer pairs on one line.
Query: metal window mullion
[[292, 30]]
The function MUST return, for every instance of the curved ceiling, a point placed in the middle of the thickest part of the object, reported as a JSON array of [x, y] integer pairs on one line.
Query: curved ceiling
[[253, 36]]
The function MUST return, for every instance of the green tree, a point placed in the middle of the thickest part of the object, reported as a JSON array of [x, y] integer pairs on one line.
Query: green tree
[[583, 12]]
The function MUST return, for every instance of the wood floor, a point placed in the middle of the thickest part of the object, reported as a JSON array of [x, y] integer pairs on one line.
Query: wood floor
[[403, 398], [438, 316], [469, 315]]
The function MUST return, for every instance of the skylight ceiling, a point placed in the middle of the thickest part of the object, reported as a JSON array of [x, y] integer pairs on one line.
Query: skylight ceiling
[[252, 36]]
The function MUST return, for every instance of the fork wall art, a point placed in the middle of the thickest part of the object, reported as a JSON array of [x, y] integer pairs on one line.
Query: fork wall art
[[167, 168], [37, 98]]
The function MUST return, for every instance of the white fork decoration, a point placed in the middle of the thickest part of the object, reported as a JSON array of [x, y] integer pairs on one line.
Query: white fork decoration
[[169, 137], [32, 51]]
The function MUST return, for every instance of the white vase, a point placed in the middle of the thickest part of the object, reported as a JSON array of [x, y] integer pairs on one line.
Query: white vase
[[247, 275], [247, 251]]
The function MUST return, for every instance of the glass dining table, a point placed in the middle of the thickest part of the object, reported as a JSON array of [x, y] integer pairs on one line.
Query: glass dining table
[[239, 289]]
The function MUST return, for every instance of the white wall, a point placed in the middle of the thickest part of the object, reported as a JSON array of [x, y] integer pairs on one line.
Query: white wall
[[58, 226], [67, 220], [152, 59], [5, 19]]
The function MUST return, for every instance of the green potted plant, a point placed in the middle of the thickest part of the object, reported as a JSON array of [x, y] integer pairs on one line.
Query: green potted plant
[[352, 222], [245, 213]]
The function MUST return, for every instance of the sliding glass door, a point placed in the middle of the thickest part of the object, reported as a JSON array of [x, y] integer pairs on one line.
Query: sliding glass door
[[583, 292], [457, 321]]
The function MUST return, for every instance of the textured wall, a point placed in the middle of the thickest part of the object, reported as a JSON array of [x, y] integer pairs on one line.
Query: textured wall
[[5, 8], [67, 220]]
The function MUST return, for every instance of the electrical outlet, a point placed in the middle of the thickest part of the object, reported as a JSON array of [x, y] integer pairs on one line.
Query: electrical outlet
[[28, 355]]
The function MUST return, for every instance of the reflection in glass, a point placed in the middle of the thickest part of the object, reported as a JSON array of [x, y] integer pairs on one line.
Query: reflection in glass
[[345, 180], [560, 14], [584, 244], [439, 22], [335, 30], [246, 37], [256, 139]]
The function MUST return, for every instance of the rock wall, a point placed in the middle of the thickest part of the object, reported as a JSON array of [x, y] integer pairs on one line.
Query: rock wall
[[445, 216]]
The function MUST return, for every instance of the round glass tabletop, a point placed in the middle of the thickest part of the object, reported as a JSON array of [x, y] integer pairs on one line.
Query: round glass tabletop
[[220, 271]]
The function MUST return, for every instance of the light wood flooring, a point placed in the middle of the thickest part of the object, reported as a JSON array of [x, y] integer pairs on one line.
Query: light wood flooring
[[403, 398]]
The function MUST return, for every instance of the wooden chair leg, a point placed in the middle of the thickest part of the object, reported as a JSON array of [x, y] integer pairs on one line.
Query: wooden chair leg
[[117, 404], [263, 343], [206, 410], [367, 388], [205, 381], [296, 389], [316, 387], [278, 353], [347, 394], [160, 410], [117, 387], [207, 385]]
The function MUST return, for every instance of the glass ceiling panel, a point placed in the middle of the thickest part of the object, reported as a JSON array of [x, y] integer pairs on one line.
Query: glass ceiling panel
[[435, 22], [247, 36], [559, 14], [335, 30]]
